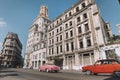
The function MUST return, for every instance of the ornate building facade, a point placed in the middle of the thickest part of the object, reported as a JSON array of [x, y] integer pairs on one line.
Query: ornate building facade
[[11, 51], [36, 43], [72, 40], [76, 36]]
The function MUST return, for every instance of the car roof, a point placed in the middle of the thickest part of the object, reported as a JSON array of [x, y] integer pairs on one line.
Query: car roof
[[108, 60]]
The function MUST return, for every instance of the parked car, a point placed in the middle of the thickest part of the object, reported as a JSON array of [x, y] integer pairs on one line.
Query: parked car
[[103, 66], [49, 68]]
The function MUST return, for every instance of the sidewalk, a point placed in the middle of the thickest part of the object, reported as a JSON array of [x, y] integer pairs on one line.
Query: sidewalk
[[9, 75], [71, 71]]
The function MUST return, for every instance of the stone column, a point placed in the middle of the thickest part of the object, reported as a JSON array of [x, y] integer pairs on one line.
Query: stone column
[[77, 61], [64, 62], [90, 58]]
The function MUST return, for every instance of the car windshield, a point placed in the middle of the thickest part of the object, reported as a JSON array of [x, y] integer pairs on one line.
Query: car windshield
[[115, 62], [107, 62]]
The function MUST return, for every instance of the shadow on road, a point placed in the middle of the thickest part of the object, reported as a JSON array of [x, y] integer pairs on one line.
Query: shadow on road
[[5, 73], [113, 77]]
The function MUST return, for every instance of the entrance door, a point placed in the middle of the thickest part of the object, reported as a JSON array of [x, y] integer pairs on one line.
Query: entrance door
[[70, 63]]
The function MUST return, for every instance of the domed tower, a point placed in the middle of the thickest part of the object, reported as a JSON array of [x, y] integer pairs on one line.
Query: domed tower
[[44, 11]]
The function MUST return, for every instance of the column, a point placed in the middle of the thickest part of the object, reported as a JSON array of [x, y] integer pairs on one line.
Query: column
[[90, 58], [77, 62], [82, 59], [76, 59], [64, 61]]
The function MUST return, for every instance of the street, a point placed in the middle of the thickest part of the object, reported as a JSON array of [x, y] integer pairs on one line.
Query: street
[[30, 74]]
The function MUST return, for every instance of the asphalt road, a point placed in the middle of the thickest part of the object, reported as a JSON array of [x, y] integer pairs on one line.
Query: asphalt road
[[29, 74]]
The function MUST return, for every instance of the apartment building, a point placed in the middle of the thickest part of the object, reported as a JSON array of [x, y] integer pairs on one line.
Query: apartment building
[[77, 35], [11, 51], [36, 42]]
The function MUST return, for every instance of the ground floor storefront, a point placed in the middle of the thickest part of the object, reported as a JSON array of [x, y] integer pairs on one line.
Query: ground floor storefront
[[75, 61]]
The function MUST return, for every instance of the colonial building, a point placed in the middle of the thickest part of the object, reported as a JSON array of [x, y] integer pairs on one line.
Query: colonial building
[[36, 43], [76, 36], [11, 51]]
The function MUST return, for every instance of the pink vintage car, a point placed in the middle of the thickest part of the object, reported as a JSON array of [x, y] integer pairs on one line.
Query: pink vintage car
[[49, 68]]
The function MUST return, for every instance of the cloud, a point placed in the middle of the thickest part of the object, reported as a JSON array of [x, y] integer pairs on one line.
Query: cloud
[[3, 23]]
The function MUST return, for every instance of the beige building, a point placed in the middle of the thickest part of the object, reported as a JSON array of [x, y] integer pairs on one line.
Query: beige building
[[76, 36], [11, 51], [36, 43]]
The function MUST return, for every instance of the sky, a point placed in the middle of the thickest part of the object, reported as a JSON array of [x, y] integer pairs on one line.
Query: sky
[[18, 15]]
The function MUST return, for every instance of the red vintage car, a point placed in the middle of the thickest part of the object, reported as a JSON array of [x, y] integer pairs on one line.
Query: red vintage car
[[103, 66], [49, 68]]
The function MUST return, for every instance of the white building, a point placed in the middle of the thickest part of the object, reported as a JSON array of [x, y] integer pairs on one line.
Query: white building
[[72, 40], [111, 51], [76, 36], [36, 43]]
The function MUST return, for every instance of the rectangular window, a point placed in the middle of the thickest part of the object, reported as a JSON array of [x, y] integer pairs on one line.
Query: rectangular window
[[88, 42], [70, 14], [83, 5], [60, 28], [85, 16], [60, 48], [79, 30], [65, 16], [86, 27], [57, 49], [49, 41], [77, 9], [71, 33], [52, 41], [66, 25], [57, 22], [57, 30], [57, 39], [60, 37], [70, 23], [78, 19], [67, 47], [50, 27], [60, 19], [72, 46], [81, 43], [66, 35]]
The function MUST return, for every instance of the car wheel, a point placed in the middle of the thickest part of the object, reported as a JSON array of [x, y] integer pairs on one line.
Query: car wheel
[[117, 74], [39, 70], [56, 71], [88, 72], [47, 70], [95, 73]]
